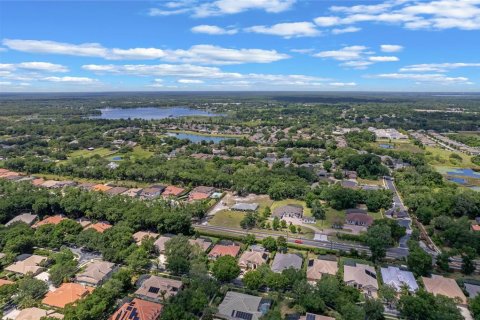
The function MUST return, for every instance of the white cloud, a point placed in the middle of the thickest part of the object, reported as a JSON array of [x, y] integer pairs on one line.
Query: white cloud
[[193, 72], [433, 14], [220, 7], [41, 66], [383, 59], [204, 54], [358, 64], [213, 30], [343, 84], [391, 48], [303, 51], [438, 67], [344, 54], [190, 81], [287, 30], [326, 21], [345, 30], [424, 77], [78, 80]]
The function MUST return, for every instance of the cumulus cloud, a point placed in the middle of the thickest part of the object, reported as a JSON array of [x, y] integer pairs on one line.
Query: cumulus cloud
[[343, 84], [383, 59], [434, 15], [438, 67], [345, 30], [34, 66], [287, 30], [190, 81], [438, 78], [78, 80], [203, 54], [213, 30], [220, 7], [391, 48], [344, 54]]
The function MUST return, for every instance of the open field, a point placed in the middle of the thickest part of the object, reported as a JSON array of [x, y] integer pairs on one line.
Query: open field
[[137, 153], [378, 182], [306, 211], [399, 145], [440, 157], [227, 218], [331, 214], [103, 152]]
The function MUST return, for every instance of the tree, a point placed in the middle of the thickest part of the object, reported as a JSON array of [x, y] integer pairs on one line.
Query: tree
[[248, 221], [318, 211], [468, 265], [327, 165], [64, 267], [378, 239], [474, 305], [418, 261], [281, 243], [442, 261], [29, 291], [292, 228], [138, 260], [389, 294], [225, 268], [276, 223], [426, 306], [270, 244], [338, 174], [283, 224], [249, 239], [178, 253], [253, 280], [374, 309]]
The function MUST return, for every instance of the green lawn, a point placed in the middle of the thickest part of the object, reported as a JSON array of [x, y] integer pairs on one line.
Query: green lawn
[[86, 153], [376, 215], [227, 218], [331, 214], [399, 145], [439, 157], [306, 211], [137, 153]]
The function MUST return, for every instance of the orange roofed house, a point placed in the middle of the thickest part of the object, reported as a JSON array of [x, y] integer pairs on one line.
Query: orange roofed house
[[101, 187], [49, 220], [65, 294], [172, 191], [221, 250], [99, 226], [139, 310]]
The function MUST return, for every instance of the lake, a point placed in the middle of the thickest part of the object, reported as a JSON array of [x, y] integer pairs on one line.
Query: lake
[[385, 146], [464, 173], [152, 113], [197, 138]]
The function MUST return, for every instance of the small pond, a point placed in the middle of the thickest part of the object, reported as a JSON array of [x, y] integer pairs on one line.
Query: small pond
[[385, 146]]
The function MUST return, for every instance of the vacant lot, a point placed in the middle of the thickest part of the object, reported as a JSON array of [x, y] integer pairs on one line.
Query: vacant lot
[[102, 152]]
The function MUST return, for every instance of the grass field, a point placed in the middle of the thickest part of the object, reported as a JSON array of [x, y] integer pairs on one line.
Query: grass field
[[227, 218], [399, 145], [331, 214], [440, 157], [137, 153], [306, 211], [378, 182], [103, 152]]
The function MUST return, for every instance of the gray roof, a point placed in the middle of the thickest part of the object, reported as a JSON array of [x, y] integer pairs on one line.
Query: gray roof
[[237, 305], [245, 206], [95, 272], [27, 218], [396, 278], [289, 209], [472, 289], [284, 261]]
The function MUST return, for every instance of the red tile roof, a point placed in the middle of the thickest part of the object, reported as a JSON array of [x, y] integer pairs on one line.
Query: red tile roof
[[197, 196], [99, 227], [4, 282], [138, 309], [172, 191], [65, 294], [222, 250], [49, 220]]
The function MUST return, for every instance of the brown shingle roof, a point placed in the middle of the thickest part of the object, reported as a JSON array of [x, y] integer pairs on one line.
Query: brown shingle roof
[[154, 287], [222, 250], [29, 265], [444, 286], [317, 267]]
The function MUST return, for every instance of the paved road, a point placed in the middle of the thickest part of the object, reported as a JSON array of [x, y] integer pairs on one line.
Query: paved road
[[394, 253]]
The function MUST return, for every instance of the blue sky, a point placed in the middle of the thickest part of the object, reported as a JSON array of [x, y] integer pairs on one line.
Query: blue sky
[[393, 45]]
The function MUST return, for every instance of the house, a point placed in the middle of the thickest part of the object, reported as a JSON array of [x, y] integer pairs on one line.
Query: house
[[133, 192], [158, 289], [27, 264], [475, 227], [115, 191], [37, 182], [138, 309], [172, 191], [66, 183], [67, 293], [289, 210], [87, 185], [37, 314], [350, 174], [152, 192], [221, 250], [26, 218], [362, 277], [245, 207], [101, 188], [141, 235], [95, 273], [311, 316], [50, 184], [445, 286], [397, 278], [359, 219], [283, 261], [160, 243], [4, 282], [251, 260], [237, 305], [472, 289], [49, 220], [99, 226], [203, 243], [201, 193], [356, 210], [318, 267]]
